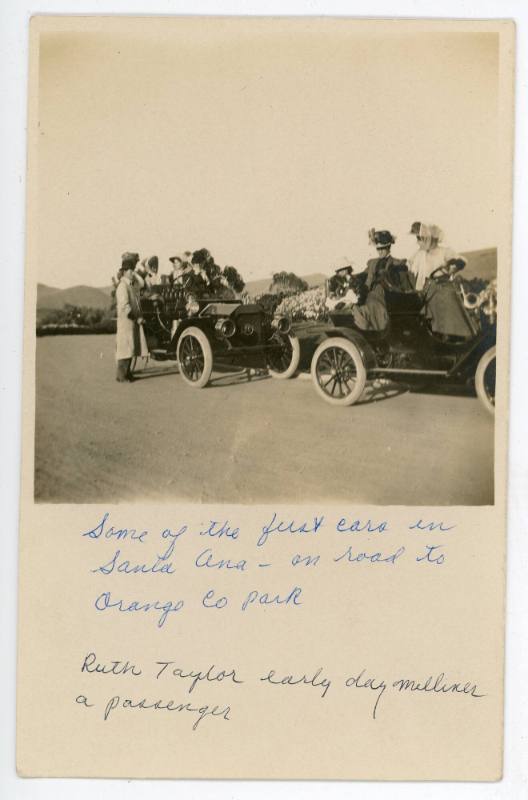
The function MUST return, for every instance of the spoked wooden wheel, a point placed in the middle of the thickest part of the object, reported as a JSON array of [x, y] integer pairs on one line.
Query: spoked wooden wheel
[[283, 363], [195, 358], [485, 379], [338, 372]]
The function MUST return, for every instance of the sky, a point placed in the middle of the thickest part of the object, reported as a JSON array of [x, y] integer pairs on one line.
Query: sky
[[276, 146]]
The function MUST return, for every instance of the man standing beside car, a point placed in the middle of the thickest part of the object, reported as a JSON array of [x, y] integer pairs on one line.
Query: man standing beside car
[[130, 339]]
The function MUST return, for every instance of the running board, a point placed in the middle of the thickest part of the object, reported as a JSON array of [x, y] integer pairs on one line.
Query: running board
[[395, 370], [162, 355]]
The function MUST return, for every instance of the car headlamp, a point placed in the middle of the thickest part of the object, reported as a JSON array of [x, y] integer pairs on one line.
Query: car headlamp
[[225, 327], [281, 324]]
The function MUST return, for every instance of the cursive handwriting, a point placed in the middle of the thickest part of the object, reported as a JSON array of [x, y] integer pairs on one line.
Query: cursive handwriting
[[210, 675], [438, 685], [358, 526], [265, 599], [104, 602], [420, 525], [219, 530], [90, 664], [362, 683], [206, 559], [279, 526], [163, 705], [160, 565], [291, 680], [117, 533], [371, 558], [358, 682]]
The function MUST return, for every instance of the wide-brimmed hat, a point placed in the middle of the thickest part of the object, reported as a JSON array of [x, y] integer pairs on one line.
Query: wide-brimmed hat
[[150, 263], [129, 258], [381, 239], [348, 270]]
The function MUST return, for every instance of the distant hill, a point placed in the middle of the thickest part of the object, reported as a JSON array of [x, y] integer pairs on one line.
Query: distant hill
[[48, 297], [481, 264], [43, 292]]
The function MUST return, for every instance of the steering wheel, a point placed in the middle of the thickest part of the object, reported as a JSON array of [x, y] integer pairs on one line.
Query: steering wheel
[[440, 272]]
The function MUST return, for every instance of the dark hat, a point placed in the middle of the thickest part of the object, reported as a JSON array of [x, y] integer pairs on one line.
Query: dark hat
[[381, 239], [129, 258], [415, 228], [153, 262]]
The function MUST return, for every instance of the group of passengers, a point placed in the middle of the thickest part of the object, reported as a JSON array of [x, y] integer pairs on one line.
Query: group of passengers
[[133, 278], [146, 274], [441, 303]]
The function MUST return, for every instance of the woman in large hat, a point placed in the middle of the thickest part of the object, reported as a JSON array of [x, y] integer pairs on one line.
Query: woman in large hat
[[373, 315], [181, 268], [431, 254], [442, 303]]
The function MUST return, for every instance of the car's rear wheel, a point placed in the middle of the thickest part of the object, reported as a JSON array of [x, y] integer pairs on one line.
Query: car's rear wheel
[[284, 362], [338, 372], [485, 379], [195, 358]]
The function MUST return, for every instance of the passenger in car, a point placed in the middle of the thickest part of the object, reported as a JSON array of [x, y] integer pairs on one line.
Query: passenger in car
[[146, 273], [431, 254], [373, 315], [443, 305], [344, 288]]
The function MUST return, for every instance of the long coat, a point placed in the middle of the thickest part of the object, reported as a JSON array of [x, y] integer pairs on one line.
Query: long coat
[[394, 268], [130, 340], [446, 311], [373, 315]]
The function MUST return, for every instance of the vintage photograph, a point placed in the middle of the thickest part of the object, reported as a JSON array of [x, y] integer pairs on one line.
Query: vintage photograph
[[267, 262]]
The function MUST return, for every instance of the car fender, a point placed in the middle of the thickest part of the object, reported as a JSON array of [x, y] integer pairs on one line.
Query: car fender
[[466, 365], [310, 339], [195, 322], [356, 337]]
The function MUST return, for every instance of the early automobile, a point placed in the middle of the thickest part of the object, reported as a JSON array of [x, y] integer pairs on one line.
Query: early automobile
[[342, 357], [201, 333]]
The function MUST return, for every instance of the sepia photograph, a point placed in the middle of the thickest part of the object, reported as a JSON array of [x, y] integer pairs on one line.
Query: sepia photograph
[[268, 262], [266, 479]]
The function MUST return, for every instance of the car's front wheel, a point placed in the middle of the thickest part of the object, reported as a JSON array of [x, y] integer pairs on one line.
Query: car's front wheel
[[284, 361], [485, 379], [338, 372], [195, 357]]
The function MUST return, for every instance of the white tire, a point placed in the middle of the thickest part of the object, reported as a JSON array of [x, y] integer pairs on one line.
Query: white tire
[[195, 358], [338, 372], [485, 379]]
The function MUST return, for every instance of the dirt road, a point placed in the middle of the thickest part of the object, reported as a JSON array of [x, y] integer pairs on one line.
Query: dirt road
[[243, 441]]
